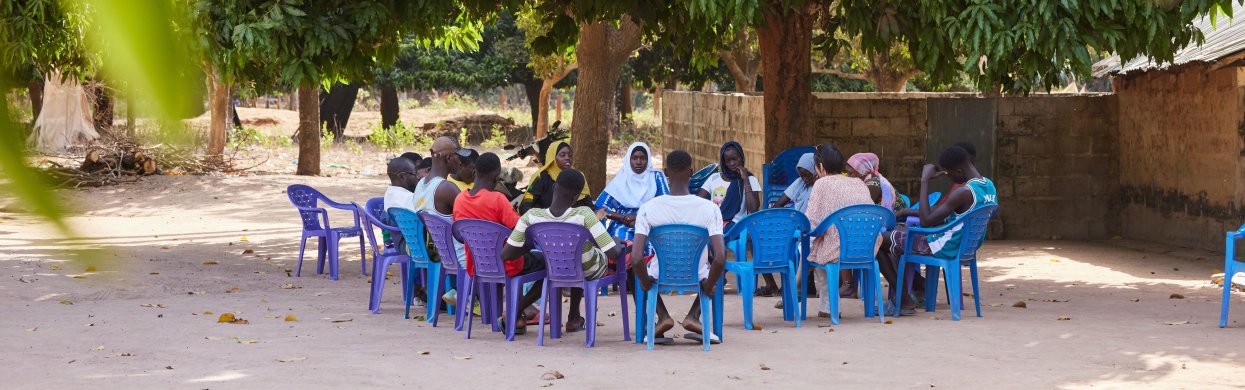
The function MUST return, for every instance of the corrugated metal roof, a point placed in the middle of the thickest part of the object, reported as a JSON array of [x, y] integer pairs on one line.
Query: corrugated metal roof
[[1229, 38]]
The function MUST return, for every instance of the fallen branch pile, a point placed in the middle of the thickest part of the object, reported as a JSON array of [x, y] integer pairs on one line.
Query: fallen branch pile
[[124, 161]]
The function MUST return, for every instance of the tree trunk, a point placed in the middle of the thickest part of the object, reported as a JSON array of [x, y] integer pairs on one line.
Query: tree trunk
[[293, 102], [625, 108], [309, 129], [602, 51], [742, 62], [542, 99], [104, 114], [219, 104], [34, 89], [388, 106], [335, 108], [786, 46], [532, 87], [130, 105]]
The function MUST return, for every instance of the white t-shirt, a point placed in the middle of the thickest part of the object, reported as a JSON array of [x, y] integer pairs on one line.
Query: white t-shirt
[[684, 209], [716, 187], [399, 197]]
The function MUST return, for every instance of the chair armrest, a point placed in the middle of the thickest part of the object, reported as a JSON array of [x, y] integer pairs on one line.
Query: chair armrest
[[933, 230], [734, 233], [822, 227], [342, 206]]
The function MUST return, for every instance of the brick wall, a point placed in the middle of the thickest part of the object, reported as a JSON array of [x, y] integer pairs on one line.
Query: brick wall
[[1180, 154], [700, 123], [893, 126]]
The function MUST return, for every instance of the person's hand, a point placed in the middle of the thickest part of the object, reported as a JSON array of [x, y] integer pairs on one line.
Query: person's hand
[[707, 286], [646, 282], [601, 214], [930, 171]]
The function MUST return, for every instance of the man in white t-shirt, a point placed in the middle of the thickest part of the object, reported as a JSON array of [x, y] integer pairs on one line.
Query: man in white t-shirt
[[680, 207], [401, 181]]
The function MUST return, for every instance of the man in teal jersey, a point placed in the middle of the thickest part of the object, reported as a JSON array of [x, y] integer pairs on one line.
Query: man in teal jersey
[[974, 191]]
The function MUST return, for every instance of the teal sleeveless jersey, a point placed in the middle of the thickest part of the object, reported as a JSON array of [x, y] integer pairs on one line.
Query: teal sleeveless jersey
[[947, 245]]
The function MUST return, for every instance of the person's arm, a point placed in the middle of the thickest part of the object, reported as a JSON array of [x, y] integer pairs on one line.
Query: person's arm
[[875, 193], [935, 216], [717, 264], [516, 245], [507, 216], [752, 192], [703, 193], [444, 199], [638, 265], [782, 201]]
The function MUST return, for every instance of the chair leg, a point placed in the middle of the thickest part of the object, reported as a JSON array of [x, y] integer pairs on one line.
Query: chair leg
[[378, 287], [432, 290], [650, 322], [322, 252], [877, 292], [513, 290], [1228, 271], [832, 283], [622, 300], [467, 313], [954, 285], [590, 314], [302, 247], [333, 255], [544, 308], [641, 312], [789, 303], [555, 314], [408, 296], [718, 302], [747, 287], [363, 256], [803, 293], [899, 295], [705, 315], [436, 304], [972, 267], [461, 282], [865, 286], [931, 287]]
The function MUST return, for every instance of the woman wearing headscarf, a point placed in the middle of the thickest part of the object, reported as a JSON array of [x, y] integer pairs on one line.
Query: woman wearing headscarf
[[634, 184], [864, 166], [832, 192], [737, 193], [797, 193], [540, 192]]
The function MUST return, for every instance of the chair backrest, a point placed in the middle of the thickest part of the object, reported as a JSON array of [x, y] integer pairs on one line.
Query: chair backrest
[[413, 232], [439, 228], [974, 230], [780, 173], [563, 246], [773, 234], [485, 240], [699, 178], [679, 248], [933, 200], [306, 197], [859, 228], [375, 208]]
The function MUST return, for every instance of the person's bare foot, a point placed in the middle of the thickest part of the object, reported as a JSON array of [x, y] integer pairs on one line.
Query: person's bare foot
[[691, 325], [575, 324], [663, 326]]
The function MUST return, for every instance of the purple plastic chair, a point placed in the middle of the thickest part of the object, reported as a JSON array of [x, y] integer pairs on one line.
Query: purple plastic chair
[[383, 255], [485, 240], [562, 244], [441, 231], [316, 224]]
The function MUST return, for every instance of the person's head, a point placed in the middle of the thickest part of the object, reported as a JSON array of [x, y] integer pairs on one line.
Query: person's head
[[563, 156], [731, 156], [829, 160], [467, 168], [863, 165], [957, 162], [487, 168], [968, 147], [569, 185], [679, 166], [807, 168], [424, 166], [402, 173], [443, 149], [637, 157], [414, 157]]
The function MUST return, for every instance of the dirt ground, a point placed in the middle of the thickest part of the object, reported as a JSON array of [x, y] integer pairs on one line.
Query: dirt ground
[[172, 249]]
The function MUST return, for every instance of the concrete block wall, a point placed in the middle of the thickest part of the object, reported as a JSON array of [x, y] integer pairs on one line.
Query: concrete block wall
[[893, 126], [700, 123]]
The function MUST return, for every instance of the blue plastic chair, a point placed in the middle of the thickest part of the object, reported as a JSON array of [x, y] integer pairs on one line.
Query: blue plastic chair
[[780, 173], [485, 240], [859, 228], [563, 243], [417, 248], [439, 230], [972, 227], [679, 248], [383, 255], [775, 236], [699, 178], [1230, 267], [316, 224]]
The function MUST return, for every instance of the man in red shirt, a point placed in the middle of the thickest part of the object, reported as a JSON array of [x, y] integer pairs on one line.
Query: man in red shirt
[[481, 202]]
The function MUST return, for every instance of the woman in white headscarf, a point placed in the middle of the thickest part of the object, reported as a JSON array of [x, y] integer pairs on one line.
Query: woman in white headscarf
[[635, 183], [797, 193]]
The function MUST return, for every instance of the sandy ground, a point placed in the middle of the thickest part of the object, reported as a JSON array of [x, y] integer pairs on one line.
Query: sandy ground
[[172, 249]]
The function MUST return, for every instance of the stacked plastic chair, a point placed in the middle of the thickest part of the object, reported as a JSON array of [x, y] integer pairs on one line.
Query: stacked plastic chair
[[972, 226], [859, 229], [562, 243], [780, 173], [485, 240], [1230, 267], [775, 235], [382, 255], [316, 224]]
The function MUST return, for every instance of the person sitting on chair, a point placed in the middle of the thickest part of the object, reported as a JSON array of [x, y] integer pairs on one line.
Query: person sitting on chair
[[679, 207], [466, 173], [832, 192], [595, 258], [974, 191], [797, 193], [736, 191]]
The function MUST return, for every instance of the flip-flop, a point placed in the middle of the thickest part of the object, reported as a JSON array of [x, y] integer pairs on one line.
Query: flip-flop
[[570, 329], [518, 330], [660, 340], [713, 339]]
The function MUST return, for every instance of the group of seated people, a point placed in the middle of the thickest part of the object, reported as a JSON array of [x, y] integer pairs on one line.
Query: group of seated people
[[458, 183]]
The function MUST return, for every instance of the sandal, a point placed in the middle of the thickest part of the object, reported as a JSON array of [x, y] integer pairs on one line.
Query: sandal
[[713, 338]]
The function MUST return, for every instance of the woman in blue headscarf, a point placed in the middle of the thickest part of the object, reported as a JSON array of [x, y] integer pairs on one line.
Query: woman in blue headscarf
[[737, 193], [797, 193]]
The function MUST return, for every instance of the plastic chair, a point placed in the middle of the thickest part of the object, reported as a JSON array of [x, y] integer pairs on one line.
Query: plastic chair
[[679, 248], [1230, 267], [699, 178], [382, 255], [485, 240], [316, 224], [774, 234], [859, 228], [439, 228], [780, 173], [562, 244], [417, 248], [972, 227]]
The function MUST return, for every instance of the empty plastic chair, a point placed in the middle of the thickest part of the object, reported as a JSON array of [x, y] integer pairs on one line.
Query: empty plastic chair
[[439, 228], [316, 224], [774, 235], [700, 176], [1230, 267], [972, 226], [417, 249], [485, 240], [780, 173], [859, 228], [382, 254], [679, 248], [563, 243]]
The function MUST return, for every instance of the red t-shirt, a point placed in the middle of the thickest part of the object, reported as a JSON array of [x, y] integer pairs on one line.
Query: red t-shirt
[[489, 206]]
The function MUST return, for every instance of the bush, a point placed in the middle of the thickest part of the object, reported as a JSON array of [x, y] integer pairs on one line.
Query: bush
[[398, 137], [496, 139]]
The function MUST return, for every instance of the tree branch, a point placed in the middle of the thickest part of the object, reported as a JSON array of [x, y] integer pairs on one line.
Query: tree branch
[[836, 72]]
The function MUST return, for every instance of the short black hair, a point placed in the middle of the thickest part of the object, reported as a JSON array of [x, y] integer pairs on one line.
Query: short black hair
[[414, 157], [830, 158], [571, 181], [953, 157], [469, 159], [425, 163], [678, 160], [968, 147], [488, 164]]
